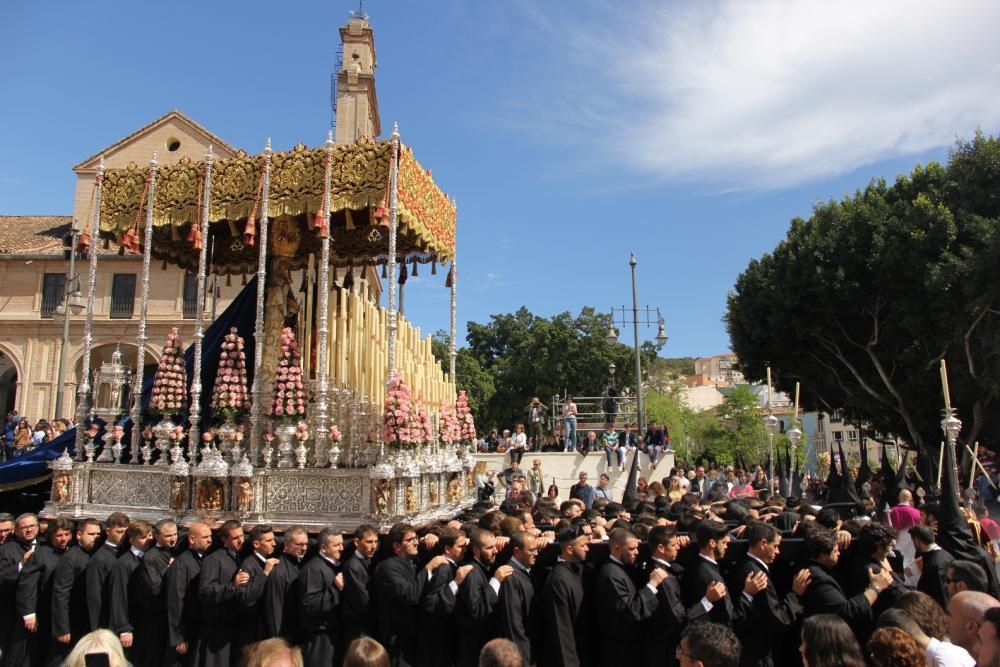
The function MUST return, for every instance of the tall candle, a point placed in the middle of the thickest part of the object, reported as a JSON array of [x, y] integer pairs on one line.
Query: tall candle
[[795, 414], [768, 386], [944, 385]]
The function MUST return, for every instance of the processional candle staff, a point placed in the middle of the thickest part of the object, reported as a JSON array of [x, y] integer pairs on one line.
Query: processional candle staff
[[771, 424], [140, 348], [794, 435], [950, 424], [194, 418], [322, 413], [258, 331], [83, 391]]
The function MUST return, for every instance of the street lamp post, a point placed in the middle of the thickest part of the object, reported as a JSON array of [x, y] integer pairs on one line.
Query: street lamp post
[[72, 305], [661, 338], [771, 424]]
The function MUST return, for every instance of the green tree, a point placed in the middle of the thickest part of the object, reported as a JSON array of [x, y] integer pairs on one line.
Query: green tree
[[742, 428], [861, 301]]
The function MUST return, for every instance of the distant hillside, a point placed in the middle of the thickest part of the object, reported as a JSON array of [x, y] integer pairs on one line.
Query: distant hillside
[[676, 365]]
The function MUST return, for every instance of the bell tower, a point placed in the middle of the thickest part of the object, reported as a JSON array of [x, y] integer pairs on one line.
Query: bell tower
[[357, 103]]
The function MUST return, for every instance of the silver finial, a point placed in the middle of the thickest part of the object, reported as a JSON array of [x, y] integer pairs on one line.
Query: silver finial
[[395, 129], [100, 165], [267, 146], [632, 260], [209, 154], [329, 137], [152, 161]]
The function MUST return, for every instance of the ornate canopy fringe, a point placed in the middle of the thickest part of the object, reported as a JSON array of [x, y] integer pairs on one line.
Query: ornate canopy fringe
[[358, 199]]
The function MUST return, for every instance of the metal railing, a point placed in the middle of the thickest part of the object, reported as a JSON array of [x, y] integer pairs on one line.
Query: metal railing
[[190, 307], [591, 411], [122, 308]]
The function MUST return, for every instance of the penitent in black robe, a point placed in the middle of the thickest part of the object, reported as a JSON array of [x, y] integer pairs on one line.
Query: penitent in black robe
[[279, 606], [564, 621], [98, 570], [770, 620], [69, 602], [152, 618], [34, 596], [662, 631], [249, 597], [356, 610], [11, 553], [398, 587], [318, 597], [475, 614], [516, 616], [622, 608], [217, 594], [436, 618], [125, 596], [183, 609]]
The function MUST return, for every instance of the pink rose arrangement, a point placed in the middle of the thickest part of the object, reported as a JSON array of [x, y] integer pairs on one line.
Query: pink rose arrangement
[[302, 431], [448, 427], [288, 402], [397, 418], [169, 395], [466, 424], [229, 397], [421, 428], [335, 435]]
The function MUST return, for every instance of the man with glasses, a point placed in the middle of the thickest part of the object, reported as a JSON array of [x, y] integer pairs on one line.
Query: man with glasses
[[14, 553], [279, 607], [708, 645], [398, 587]]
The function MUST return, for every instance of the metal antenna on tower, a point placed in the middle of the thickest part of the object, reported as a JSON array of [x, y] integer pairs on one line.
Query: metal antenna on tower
[[360, 13]]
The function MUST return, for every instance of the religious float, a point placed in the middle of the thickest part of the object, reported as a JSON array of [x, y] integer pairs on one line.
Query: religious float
[[305, 402]]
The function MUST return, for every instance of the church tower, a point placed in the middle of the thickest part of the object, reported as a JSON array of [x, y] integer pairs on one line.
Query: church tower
[[357, 103]]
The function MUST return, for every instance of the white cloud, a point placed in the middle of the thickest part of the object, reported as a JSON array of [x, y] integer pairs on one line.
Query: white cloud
[[769, 94]]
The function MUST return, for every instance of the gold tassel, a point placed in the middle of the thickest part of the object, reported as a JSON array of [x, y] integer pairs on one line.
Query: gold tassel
[[232, 228], [349, 221], [229, 280], [414, 272], [434, 267]]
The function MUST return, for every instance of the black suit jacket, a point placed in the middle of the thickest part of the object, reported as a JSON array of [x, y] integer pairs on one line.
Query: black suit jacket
[[769, 619], [935, 567], [825, 595], [219, 608], [398, 587], [516, 613], [564, 622], [621, 608]]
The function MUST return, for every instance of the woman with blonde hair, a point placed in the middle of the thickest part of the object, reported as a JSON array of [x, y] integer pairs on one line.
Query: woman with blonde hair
[[366, 652], [274, 652], [98, 642]]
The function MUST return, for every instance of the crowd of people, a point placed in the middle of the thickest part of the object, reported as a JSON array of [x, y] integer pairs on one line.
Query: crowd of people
[[21, 436]]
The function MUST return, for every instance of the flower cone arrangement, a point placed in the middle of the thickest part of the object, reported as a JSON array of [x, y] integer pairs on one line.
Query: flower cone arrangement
[[169, 396], [229, 396], [449, 429], [466, 424], [397, 418], [288, 403]]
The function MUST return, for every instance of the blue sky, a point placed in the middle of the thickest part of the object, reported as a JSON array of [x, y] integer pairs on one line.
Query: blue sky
[[570, 132]]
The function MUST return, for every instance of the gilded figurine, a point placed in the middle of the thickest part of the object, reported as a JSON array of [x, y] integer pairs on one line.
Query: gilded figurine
[[178, 494], [60, 487]]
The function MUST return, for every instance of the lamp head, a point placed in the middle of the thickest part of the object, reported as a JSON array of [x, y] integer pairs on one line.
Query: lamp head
[[612, 336], [661, 336]]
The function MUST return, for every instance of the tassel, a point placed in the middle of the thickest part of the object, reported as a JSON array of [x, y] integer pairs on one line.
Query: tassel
[[229, 280], [348, 220], [349, 278], [83, 245], [233, 231], [244, 280], [450, 280], [434, 267], [107, 244], [321, 225], [414, 272], [385, 270], [250, 231], [164, 267], [130, 241], [402, 273], [303, 288], [371, 217], [174, 236]]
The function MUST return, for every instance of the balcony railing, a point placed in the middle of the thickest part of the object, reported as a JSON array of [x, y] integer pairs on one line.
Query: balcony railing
[[190, 307], [49, 304], [122, 308]]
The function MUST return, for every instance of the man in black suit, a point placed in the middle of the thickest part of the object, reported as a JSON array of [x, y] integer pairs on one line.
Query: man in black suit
[[621, 607], [870, 551], [771, 617], [30, 637], [356, 610], [152, 593], [713, 542], [398, 587], [69, 591], [664, 627], [258, 565], [478, 597], [516, 614], [221, 579], [125, 596], [825, 595], [318, 586], [14, 553], [183, 606], [279, 607], [99, 567], [564, 622], [934, 562], [437, 604]]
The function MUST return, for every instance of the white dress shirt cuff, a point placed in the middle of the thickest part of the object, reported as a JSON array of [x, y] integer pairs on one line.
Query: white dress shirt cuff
[[453, 587], [495, 585], [707, 604]]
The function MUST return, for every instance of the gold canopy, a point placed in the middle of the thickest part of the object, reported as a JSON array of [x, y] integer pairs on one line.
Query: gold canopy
[[359, 203]]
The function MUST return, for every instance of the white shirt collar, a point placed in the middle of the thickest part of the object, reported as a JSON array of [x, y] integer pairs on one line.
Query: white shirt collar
[[762, 563], [328, 559], [710, 560], [138, 553]]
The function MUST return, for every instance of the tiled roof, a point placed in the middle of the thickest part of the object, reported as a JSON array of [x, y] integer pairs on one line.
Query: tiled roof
[[37, 235]]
